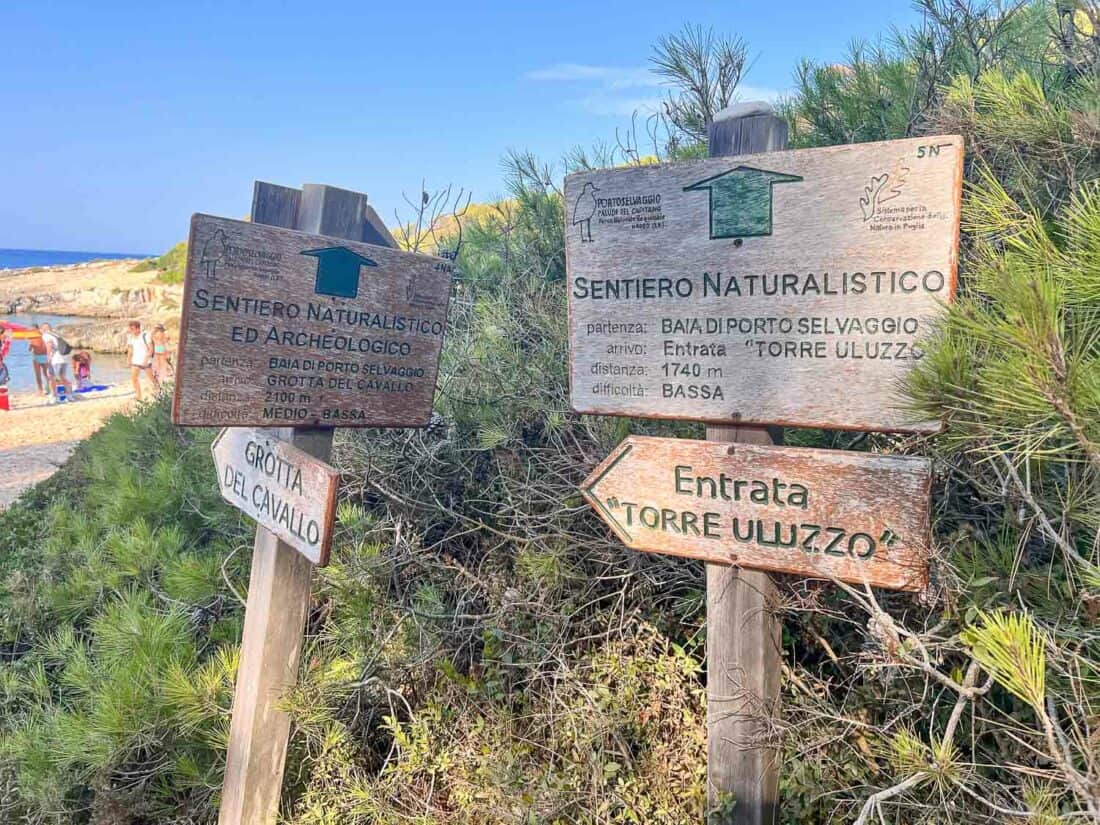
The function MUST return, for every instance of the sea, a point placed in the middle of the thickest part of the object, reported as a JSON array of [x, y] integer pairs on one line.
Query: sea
[[107, 368], [22, 258]]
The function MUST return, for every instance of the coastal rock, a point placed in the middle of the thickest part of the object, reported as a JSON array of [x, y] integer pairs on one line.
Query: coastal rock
[[110, 335], [107, 293], [96, 302]]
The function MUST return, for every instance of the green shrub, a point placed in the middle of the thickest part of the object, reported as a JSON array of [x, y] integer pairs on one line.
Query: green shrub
[[171, 266], [119, 629]]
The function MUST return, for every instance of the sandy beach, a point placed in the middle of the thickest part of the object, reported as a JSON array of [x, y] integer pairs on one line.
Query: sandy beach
[[37, 437]]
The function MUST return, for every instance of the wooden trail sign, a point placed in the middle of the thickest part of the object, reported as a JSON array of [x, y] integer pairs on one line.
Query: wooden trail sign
[[858, 517], [286, 490], [283, 328], [279, 586], [789, 288]]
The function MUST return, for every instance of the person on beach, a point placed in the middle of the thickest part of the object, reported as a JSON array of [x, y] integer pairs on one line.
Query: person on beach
[[5, 348], [5, 376], [139, 351], [161, 361], [57, 352], [40, 363], [82, 369]]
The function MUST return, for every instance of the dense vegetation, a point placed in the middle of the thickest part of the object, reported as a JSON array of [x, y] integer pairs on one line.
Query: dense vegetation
[[169, 266], [482, 650]]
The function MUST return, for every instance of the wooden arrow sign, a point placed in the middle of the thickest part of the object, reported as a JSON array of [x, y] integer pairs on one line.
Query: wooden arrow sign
[[857, 517], [284, 489]]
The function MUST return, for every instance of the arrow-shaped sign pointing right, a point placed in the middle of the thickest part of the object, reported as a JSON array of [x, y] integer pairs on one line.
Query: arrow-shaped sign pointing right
[[285, 489]]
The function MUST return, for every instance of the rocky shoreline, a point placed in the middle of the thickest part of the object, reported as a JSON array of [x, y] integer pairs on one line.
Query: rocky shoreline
[[108, 294]]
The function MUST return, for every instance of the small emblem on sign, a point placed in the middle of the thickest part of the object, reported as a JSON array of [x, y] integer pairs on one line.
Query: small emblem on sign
[[882, 188], [338, 270], [419, 299], [213, 251], [741, 201], [584, 209]]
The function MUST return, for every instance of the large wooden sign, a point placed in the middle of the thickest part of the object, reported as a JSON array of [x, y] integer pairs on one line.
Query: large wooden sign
[[788, 288], [283, 328], [286, 490], [857, 517]]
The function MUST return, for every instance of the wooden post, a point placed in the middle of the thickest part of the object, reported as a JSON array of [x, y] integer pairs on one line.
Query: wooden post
[[279, 587], [743, 633]]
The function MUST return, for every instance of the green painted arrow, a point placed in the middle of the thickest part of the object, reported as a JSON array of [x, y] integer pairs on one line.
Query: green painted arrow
[[338, 270], [741, 201]]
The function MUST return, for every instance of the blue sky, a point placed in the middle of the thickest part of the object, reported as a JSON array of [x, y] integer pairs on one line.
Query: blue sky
[[118, 120]]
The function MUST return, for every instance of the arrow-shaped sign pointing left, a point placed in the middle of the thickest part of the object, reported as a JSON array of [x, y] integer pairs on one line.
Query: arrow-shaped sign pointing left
[[857, 517]]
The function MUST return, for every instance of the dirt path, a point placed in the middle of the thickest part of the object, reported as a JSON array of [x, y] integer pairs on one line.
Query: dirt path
[[37, 437]]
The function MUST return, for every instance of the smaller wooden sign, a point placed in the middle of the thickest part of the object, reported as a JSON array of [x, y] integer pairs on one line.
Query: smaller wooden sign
[[285, 329], [857, 517], [286, 490]]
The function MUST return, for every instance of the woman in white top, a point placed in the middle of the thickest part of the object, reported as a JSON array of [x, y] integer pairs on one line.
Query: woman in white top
[[140, 354]]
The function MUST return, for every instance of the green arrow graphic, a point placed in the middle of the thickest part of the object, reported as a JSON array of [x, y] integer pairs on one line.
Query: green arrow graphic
[[741, 201], [338, 270]]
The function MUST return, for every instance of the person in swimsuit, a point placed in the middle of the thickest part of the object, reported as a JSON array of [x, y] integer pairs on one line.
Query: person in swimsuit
[[5, 376], [5, 348], [161, 361], [82, 369], [40, 363]]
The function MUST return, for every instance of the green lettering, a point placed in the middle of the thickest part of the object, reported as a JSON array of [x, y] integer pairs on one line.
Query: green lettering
[[686, 479], [759, 493]]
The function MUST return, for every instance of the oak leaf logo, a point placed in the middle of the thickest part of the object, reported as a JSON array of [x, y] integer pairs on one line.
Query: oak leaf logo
[[882, 188]]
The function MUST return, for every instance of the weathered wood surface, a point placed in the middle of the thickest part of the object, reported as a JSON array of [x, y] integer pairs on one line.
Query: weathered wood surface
[[284, 328], [341, 210], [788, 288], [279, 588], [744, 633], [284, 489], [857, 517], [744, 668]]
